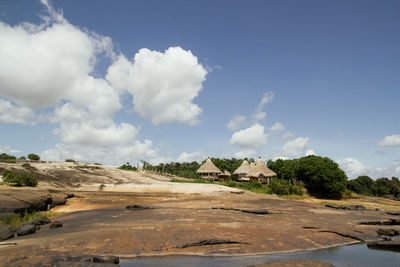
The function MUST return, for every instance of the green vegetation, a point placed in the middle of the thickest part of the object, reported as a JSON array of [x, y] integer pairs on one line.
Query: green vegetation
[[70, 160], [26, 165], [22, 158], [285, 187], [196, 181], [86, 167], [128, 167], [15, 219], [364, 185], [321, 176], [22, 179], [33, 157], [4, 156]]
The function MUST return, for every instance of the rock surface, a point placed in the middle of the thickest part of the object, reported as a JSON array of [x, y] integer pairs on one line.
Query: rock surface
[[26, 229]]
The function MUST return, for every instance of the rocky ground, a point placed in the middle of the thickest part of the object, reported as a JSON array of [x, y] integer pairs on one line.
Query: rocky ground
[[166, 218]]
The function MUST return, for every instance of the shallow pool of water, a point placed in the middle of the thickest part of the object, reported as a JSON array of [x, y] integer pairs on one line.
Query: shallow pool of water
[[346, 256]]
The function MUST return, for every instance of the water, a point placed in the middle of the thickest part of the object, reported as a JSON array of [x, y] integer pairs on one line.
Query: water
[[346, 256]]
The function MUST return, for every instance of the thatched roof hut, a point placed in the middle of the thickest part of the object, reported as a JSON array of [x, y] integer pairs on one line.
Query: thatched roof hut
[[243, 168], [261, 172], [208, 170], [224, 175]]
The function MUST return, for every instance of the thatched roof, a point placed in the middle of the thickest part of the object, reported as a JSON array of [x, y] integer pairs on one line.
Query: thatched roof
[[226, 173], [260, 169], [208, 167], [243, 168]]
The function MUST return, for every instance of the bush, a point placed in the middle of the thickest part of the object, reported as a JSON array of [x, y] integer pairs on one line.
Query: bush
[[23, 179], [7, 157], [70, 160], [128, 167], [26, 165], [285, 187], [33, 157], [22, 158]]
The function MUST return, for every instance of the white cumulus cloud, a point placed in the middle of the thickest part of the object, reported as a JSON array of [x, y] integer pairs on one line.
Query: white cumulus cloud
[[163, 85], [296, 147], [11, 113], [190, 157], [236, 122], [355, 168], [277, 127], [390, 140], [250, 138]]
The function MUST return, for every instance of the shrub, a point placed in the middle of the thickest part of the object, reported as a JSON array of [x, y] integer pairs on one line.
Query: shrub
[[128, 167], [23, 179], [22, 158], [285, 187], [70, 160], [7, 157], [33, 157], [26, 165]]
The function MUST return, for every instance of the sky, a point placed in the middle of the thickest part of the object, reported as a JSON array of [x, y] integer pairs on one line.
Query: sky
[[123, 81]]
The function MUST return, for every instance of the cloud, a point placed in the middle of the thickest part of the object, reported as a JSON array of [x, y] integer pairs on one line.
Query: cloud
[[11, 113], [8, 149], [296, 147], [246, 153], [258, 114], [288, 135], [51, 66], [250, 138], [236, 122], [112, 155], [310, 152], [390, 140], [190, 157], [277, 127], [355, 168], [163, 85]]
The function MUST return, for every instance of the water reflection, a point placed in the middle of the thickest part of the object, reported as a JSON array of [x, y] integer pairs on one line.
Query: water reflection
[[354, 255]]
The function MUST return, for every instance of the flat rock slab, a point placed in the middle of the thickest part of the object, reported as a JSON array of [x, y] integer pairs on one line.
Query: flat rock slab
[[181, 219]]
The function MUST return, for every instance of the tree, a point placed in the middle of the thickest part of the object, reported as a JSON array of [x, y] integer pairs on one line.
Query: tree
[[362, 185], [33, 157], [6, 156], [322, 176]]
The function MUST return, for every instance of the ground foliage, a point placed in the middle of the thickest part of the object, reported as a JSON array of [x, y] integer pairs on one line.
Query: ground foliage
[[321, 176], [365, 185]]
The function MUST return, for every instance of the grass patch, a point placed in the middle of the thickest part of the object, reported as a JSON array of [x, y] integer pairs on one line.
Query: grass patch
[[196, 181], [16, 219], [294, 197], [253, 187], [86, 167]]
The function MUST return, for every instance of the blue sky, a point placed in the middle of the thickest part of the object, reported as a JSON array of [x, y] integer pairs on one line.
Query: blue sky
[[161, 80]]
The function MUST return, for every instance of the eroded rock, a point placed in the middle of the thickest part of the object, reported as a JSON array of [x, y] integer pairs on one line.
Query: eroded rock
[[208, 242], [138, 207], [255, 211], [7, 234], [386, 222], [26, 229], [41, 221], [56, 224]]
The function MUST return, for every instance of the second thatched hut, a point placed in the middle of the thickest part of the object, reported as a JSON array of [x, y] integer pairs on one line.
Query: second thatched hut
[[208, 171], [260, 173]]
